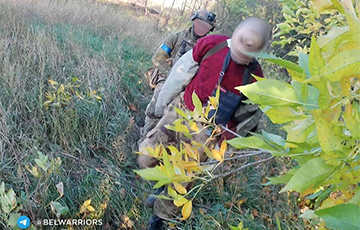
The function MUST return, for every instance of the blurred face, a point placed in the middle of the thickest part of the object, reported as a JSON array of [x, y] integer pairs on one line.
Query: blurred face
[[201, 28], [245, 44]]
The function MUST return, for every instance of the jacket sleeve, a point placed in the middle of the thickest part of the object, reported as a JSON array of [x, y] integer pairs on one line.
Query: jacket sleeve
[[180, 76], [162, 54]]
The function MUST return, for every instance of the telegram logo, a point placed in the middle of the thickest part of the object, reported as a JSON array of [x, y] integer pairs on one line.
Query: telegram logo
[[23, 222]]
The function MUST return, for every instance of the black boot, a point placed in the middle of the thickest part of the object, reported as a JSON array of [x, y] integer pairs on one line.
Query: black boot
[[155, 223], [150, 200]]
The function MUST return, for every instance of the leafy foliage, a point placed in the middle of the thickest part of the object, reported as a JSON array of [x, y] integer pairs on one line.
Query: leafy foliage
[[61, 95], [301, 20], [180, 165], [322, 109]]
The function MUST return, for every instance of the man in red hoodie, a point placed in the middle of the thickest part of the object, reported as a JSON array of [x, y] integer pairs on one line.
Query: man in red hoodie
[[215, 60]]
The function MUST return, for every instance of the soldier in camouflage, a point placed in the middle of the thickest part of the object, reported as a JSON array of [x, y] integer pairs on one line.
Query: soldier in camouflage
[[174, 46]]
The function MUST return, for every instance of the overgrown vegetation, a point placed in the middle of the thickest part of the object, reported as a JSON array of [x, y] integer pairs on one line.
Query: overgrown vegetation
[[319, 111], [72, 88], [72, 101]]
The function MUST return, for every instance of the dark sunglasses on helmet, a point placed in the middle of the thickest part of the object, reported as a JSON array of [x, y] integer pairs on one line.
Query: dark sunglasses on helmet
[[210, 16]]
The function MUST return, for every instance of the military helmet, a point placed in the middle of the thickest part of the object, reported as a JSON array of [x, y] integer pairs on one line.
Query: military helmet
[[206, 16]]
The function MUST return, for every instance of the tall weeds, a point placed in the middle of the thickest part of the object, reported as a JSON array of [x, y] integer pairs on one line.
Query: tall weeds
[[106, 50]]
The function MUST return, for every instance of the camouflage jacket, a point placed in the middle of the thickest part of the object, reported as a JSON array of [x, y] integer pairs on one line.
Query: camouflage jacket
[[176, 44]]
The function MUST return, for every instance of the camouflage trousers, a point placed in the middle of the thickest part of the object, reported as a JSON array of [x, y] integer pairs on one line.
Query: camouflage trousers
[[150, 119], [166, 209]]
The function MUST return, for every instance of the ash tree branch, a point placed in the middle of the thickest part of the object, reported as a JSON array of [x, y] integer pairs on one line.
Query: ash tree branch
[[234, 158], [230, 131], [241, 168]]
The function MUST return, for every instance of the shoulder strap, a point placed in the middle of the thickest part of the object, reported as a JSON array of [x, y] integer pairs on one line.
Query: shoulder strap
[[249, 70], [214, 50]]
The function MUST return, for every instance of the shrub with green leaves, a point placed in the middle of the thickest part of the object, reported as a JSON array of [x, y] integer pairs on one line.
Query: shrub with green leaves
[[320, 112], [301, 20]]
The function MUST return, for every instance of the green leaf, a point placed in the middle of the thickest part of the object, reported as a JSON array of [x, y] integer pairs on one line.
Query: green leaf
[[63, 210], [344, 216], [355, 199], [162, 182], [304, 62], [279, 140], [197, 103], [309, 214], [309, 175], [323, 5], [154, 174], [331, 41], [167, 164], [58, 209], [254, 143], [287, 10], [352, 120], [299, 131], [281, 115], [284, 27], [41, 164], [13, 220], [342, 65], [282, 179], [287, 64], [324, 97], [309, 94], [271, 92], [181, 113], [316, 60], [330, 136]]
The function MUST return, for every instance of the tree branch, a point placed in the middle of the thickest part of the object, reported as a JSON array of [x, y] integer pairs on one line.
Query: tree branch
[[241, 168], [234, 158], [230, 131]]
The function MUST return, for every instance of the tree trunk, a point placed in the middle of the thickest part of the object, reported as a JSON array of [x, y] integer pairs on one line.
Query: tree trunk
[[146, 8], [168, 17], [183, 7]]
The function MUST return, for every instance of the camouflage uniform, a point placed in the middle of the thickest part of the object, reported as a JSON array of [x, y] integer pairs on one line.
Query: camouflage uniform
[[179, 43], [166, 209]]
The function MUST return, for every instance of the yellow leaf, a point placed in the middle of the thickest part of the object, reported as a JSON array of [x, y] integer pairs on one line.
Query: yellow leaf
[[179, 188], [207, 110], [90, 208], [192, 153], [52, 82], [197, 103], [223, 148], [180, 127], [87, 202], [208, 152], [61, 88], [79, 96], [167, 164], [173, 150], [193, 126], [180, 201], [186, 210], [192, 166], [217, 155], [213, 101], [172, 192]]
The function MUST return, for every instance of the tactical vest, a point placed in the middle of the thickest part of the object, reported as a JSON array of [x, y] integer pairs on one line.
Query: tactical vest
[[184, 43]]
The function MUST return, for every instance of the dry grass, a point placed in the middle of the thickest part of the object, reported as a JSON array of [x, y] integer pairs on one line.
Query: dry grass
[[60, 40]]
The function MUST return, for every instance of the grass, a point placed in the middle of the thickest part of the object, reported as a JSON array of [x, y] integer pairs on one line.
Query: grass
[[108, 50]]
